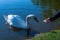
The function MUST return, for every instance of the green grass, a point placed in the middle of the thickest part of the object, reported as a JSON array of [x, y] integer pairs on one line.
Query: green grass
[[53, 35]]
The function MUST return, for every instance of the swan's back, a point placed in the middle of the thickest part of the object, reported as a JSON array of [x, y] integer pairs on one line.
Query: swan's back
[[16, 21]]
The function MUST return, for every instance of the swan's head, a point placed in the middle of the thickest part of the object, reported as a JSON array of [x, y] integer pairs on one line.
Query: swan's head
[[32, 16]]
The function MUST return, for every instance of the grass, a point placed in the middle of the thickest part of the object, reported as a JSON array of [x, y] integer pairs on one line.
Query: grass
[[53, 35]]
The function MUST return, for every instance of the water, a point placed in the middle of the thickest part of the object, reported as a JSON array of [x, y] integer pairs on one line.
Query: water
[[23, 8]]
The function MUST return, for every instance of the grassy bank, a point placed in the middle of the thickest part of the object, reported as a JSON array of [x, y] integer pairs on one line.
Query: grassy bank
[[53, 35]]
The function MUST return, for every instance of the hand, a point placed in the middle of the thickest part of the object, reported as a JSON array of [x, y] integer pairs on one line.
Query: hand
[[47, 20]]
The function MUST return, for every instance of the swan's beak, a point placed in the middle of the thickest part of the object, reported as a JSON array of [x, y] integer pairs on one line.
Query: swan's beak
[[36, 19]]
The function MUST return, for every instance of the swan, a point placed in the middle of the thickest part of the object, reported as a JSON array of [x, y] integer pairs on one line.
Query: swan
[[16, 22]]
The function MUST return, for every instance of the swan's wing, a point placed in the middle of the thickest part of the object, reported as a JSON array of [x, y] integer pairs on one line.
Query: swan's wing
[[19, 22]]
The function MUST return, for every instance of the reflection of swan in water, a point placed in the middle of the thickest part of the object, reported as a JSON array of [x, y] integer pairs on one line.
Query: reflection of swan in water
[[17, 23]]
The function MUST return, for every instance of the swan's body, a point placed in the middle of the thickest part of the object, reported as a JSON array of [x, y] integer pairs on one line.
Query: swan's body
[[16, 22]]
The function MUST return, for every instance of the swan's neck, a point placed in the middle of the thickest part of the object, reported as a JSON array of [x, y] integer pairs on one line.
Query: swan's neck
[[27, 20]]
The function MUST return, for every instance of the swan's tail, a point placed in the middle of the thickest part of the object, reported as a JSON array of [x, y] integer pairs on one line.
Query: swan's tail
[[5, 17]]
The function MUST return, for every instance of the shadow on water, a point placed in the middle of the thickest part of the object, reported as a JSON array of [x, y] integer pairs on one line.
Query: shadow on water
[[41, 8]]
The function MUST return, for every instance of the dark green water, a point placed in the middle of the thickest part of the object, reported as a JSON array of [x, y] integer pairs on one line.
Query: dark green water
[[40, 8]]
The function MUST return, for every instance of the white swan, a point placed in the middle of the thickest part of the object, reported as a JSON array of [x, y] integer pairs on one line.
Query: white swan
[[16, 22]]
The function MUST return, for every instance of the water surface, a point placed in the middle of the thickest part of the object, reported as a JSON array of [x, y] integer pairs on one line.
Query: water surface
[[23, 8]]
